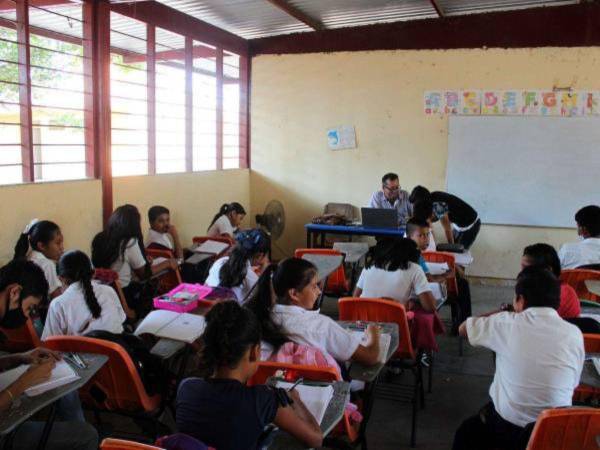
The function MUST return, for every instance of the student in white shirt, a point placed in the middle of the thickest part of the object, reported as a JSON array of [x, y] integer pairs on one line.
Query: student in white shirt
[[162, 233], [587, 250], [290, 315], [119, 247], [227, 220], [393, 272], [235, 271], [539, 359], [42, 243], [84, 306]]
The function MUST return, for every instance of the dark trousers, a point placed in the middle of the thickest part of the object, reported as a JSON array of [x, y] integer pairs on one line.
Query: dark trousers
[[466, 238], [488, 431]]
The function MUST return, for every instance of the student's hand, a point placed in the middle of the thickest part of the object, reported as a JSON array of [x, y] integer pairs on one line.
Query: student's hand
[[37, 373], [39, 355], [295, 396], [173, 264], [173, 230], [373, 332]]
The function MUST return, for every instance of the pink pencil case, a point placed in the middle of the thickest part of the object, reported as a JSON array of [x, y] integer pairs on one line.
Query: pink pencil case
[[167, 301]]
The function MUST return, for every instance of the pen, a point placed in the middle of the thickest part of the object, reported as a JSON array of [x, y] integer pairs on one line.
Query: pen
[[69, 357], [80, 360], [298, 381]]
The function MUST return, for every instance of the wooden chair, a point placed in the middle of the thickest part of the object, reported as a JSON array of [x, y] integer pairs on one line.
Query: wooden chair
[[566, 429], [111, 278], [405, 357], [576, 278]]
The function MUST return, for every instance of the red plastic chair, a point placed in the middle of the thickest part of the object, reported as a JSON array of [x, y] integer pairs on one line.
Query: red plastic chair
[[117, 386], [337, 284], [21, 339], [405, 357], [566, 429], [576, 279], [584, 393], [445, 257], [292, 372], [111, 278], [172, 278], [120, 444]]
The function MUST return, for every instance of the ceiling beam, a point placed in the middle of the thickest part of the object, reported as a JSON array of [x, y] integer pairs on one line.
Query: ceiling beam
[[291, 10], [199, 51], [558, 26], [438, 8]]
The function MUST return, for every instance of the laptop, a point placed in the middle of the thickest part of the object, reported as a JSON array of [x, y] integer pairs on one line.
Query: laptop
[[379, 218]]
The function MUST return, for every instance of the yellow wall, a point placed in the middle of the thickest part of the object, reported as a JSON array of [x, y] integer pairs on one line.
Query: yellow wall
[[76, 206], [295, 98], [192, 198]]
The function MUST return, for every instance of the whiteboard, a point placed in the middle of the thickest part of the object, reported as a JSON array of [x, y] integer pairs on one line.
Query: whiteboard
[[535, 171]]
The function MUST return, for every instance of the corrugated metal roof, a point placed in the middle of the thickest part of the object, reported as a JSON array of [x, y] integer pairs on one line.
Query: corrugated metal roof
[[258, 18]]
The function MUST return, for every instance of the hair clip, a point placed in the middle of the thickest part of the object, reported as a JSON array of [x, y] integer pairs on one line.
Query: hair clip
[[30, 225]]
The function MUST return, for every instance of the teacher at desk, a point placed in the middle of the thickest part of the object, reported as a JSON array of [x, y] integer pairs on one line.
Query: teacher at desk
[[392, 197]]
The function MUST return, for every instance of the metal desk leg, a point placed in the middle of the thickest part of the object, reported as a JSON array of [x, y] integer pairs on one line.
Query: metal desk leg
[[47, 427], [368, 400]]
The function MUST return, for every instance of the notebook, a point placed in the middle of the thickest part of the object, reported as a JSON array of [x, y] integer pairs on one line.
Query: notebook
[[437, 268], [172, 325], [214, 247], [62, 374], [384, 343], [315, 398]]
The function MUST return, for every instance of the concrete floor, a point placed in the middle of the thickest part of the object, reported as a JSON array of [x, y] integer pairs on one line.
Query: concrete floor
[[460, 386]]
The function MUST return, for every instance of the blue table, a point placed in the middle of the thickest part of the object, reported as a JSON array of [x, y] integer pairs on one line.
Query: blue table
[[313, 231]]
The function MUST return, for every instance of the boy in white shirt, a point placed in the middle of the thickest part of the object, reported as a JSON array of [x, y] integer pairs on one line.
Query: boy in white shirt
[[539, 359], [587, 250], [162, 233]]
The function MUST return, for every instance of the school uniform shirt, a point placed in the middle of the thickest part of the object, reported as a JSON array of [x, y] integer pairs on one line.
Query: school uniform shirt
[[313, 329], [223, 413], [213, 279], [221, 226], [132, 259], [164, 239], [539, 359], [569, 302], [400, 285], [460, 213], [576, 254], [69, 315], [48, 267], [401, 205]]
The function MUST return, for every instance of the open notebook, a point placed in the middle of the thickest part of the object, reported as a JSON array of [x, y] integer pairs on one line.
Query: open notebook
[[214, 247], [316, 398], [62, 374], [384, 343], [172, 325]]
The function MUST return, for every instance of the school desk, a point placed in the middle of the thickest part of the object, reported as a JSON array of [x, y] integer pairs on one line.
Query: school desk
[[354, 253], [589, 375], [333, 414], [25, 407], [313, 231]]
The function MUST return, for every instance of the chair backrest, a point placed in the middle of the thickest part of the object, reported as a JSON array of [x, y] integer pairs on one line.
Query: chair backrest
[[379, 310], [591, 343], [576, 278], [20, 339], [585, 324], [566, 429], [117, 385], [111, 278], [336, 281], [172, 278], [292, 372], [120, 444], [448, 258]]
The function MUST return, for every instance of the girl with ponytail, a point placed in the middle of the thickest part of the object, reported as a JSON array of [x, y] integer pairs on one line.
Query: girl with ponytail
[[227, 220], [42, 243], [235, 271], [284, 303], [84, 305], [219, 409]]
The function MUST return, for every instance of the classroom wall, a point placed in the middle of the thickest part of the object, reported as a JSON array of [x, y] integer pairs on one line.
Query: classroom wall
[[192, 198], [76, 206], [295, 98]]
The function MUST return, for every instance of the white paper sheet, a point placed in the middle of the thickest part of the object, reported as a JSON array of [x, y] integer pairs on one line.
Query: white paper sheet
[[172, 325], [62, 374], [315, 398], [437, 268]]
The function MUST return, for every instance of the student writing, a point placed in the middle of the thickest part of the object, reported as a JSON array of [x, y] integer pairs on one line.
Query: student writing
[[227, 220], [220, 410]]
